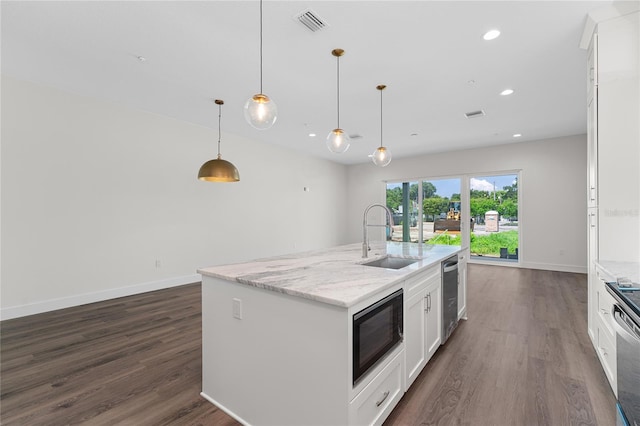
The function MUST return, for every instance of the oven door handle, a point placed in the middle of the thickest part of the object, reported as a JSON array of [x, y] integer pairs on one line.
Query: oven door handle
[[621, 326]]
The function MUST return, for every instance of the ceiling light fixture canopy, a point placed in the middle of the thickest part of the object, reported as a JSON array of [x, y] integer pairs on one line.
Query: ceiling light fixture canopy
[[338, 141], [219, 170], [260, 111], [381, 156]]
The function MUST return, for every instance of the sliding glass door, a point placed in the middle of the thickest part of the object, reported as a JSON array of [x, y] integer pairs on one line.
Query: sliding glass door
[[475, 211]]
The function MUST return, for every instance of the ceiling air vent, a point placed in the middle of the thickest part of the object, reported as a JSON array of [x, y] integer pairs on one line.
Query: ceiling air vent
[[311, 20], [474, 114]]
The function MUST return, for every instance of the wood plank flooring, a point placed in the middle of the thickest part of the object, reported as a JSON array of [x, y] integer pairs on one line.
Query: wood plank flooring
[[523, 358]]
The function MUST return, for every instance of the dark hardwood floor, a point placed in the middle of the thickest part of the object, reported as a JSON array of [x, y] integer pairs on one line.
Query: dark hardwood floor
[[523, 358]]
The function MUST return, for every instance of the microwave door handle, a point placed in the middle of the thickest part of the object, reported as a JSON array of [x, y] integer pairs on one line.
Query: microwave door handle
[[622, 328]]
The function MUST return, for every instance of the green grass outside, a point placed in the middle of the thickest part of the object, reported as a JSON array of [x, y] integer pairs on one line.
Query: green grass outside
[[486, 245]]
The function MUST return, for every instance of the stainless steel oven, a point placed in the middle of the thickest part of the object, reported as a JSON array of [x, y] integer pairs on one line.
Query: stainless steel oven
[[377, 329], [626, 315]]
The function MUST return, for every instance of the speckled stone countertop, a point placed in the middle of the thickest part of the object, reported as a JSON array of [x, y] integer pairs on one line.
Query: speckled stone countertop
[[615, 270], [336, 275]]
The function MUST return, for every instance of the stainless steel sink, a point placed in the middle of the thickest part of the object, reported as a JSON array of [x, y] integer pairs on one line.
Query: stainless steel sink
[[390, 262]]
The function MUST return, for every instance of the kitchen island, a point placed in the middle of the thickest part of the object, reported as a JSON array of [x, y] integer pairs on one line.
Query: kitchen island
[[277, 333]]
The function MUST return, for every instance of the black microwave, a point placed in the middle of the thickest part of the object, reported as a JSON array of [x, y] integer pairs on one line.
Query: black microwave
[[377, 329]]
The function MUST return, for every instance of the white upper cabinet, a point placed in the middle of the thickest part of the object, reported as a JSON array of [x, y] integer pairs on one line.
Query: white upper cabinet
[[618, 138]]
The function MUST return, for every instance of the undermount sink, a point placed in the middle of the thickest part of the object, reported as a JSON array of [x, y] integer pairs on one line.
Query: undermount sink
[[389, 262]]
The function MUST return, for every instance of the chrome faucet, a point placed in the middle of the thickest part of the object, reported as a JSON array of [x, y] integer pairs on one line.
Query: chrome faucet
[[365, 225]]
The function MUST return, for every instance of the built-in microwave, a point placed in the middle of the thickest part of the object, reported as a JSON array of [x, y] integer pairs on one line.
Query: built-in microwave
[[377, 329]]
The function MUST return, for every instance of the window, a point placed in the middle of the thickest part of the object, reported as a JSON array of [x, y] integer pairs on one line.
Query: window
[[493, 203]]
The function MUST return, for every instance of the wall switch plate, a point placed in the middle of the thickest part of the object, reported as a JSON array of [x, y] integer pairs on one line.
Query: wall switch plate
[[237, 308]]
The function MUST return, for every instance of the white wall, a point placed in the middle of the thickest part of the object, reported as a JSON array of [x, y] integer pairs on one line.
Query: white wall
[[93, 194], [552, 190]]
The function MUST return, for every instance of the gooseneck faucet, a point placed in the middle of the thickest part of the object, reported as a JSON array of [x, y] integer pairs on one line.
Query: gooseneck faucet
[[365, 225]]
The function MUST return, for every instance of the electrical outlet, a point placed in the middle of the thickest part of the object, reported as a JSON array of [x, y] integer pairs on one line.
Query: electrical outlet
[[237, 308]]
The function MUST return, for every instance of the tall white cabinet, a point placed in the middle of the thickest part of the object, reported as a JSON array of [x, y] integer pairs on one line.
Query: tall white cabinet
[[612, 37]]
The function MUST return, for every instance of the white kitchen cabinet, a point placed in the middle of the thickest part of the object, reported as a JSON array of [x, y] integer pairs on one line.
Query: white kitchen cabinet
[[415, 336], [618, 136], [605, 342], [592, 277], [433, 318], [613, 154], [463, 257], [419, 317]]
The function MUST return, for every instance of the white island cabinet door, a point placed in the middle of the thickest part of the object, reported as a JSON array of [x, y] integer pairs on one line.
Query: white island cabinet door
[[433, 318], [415, 335], [463, 256]]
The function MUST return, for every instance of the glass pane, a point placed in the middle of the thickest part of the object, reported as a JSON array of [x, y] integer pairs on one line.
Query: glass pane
[[402, 199], [493, 202], [442, 211]]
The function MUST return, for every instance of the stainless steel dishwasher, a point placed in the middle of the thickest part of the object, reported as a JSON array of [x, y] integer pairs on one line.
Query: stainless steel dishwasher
[[449, 296]]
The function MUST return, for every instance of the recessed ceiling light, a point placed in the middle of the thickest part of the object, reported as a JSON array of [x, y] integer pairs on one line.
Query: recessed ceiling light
[[312, 135], [506, 92], [491, 34], [517, 135]]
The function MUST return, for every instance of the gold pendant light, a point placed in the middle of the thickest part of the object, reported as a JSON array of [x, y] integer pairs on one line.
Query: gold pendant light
[[219, 170], [337, 140], [381, 156], [260, 111]]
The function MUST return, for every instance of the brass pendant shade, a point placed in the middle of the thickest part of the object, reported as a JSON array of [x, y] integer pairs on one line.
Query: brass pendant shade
[[219, 170]]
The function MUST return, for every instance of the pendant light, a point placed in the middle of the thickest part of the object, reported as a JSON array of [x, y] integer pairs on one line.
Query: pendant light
[[260, 111], [381, 156], [337, 140], [218, 170]]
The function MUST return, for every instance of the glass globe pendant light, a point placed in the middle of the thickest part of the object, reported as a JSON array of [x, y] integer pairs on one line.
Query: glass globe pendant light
[[381, 156], [337, 140], [260, 111], [219, 170]]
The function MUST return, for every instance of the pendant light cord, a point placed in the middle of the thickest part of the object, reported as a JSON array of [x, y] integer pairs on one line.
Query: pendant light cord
[[219, 119], [261, 47], [380, 118], [338, 96]]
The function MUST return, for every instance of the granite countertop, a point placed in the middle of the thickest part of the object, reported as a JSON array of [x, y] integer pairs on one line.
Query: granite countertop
[[615, 270], [336, 275]]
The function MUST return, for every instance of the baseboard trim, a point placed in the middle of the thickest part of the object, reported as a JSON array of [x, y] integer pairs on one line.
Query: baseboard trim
[[555, 267], [225, 409], [99, 296], [532, 265]]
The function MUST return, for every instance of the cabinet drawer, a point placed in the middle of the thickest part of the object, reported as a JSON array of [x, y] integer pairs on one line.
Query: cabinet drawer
[[607, 353], [415, 285], [605, 303], [374, 403]]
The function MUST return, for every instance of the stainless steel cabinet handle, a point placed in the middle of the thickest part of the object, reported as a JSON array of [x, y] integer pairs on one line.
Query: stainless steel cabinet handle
[[384, 396]]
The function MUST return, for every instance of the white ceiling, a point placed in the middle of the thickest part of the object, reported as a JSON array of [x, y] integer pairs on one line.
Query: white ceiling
[[430, 54]]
